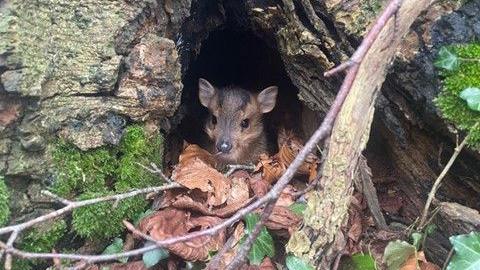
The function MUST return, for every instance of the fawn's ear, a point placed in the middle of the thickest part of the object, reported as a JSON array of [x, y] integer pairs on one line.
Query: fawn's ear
[[267, 99], [206, 93]]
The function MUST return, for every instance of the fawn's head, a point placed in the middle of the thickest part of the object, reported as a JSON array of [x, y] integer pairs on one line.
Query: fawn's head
[[235, 119]]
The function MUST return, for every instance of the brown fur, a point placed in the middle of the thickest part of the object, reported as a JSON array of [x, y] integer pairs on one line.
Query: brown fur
[[231, 105]]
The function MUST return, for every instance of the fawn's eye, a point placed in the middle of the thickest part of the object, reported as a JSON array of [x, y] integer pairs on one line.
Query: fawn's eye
[[245, 123], [214, 120]]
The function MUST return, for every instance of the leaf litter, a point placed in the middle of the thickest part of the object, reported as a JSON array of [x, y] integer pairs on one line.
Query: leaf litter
[[208, 197]]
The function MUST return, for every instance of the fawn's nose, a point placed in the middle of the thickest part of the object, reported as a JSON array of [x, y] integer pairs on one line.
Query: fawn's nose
[[224, 147]]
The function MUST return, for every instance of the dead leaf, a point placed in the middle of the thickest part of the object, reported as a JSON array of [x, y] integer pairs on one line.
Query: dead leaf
[[259, 186], [271, 169], [196, 174], [187, 203], [172, 222], [192, 151], [266, 264], [289, 147], [239, 191], [411, 263], [286, 197], [282, 218]]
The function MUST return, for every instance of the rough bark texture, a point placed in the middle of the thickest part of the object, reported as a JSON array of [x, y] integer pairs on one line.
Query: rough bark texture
[[81, 70], [319, 241]]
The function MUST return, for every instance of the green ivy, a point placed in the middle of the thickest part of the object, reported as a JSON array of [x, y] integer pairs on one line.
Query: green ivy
[[4, 205], [460, 70]]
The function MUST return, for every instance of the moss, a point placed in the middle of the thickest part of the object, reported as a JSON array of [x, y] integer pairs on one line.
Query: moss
[[466, 75], [106, 171], [78, 172], [45, 238], [136, 148], [4, 199]]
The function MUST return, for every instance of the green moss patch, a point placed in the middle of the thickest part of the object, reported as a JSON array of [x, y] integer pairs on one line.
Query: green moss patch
[[465, 74], [4, 199], [105, 171], [45, 238]]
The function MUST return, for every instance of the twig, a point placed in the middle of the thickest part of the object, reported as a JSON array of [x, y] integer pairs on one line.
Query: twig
[[138, 233], [339, 68], [241, 255], [56, 197], [439, 179], [77, 204], [155, 170], [215, 261], [367, 42], [449, 256], [233, 167], [310, 186]]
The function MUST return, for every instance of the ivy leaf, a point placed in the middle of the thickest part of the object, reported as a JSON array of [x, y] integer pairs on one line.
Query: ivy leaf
[[139, 217], [298, 208], [397, 253], [467, 252], [116, 247], [446, 59], [263, 245], [152, 257], [359, 261], [472, 96], [417, 239], [295, 263]]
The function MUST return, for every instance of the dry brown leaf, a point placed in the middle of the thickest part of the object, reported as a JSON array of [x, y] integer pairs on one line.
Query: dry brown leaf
[[192, 151], [239, 191], [266, 264], [271, 169], [411, 263], [196, 174], [282, 218], [186, 202], [289, 147], [172, 222], [227, 258], [259, 186], [286, 197]]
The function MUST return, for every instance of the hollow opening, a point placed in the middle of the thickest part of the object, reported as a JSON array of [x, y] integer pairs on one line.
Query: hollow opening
[[238, 57]]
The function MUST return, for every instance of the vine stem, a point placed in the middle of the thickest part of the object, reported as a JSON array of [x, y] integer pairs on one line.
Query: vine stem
[[438, 181]]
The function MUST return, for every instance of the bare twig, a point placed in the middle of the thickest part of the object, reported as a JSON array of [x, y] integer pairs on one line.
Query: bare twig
[[56, 197], [233, 167], [215, 261], [155, 170], [439, 179], [241, 255], [77, 204], [449, 256]]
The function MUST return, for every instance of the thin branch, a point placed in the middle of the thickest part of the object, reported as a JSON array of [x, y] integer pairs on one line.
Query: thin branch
[[439, 179], [155, 170], [233, 167], [77, 204], [241, 255], [215, 261], [55, 197], [367, 42]]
